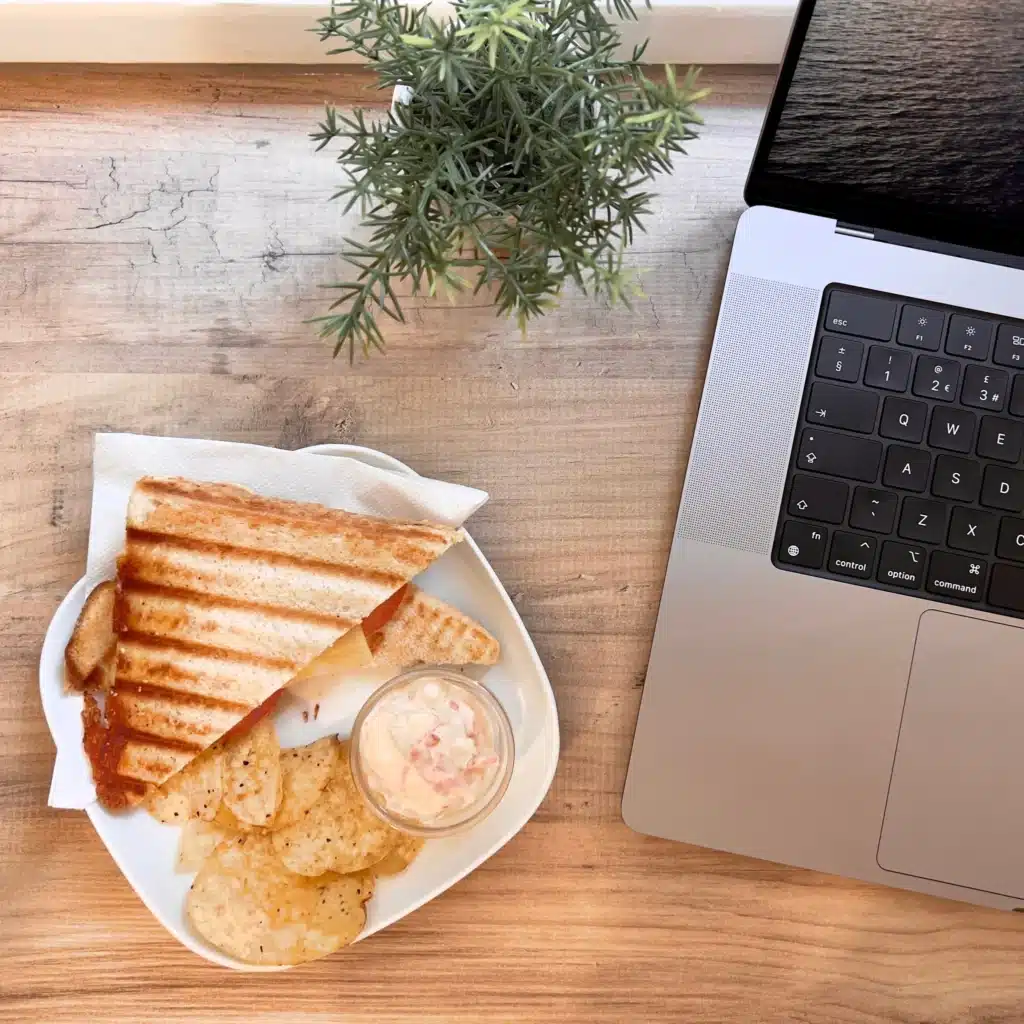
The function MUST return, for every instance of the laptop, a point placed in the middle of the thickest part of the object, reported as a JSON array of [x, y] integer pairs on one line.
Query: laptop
[[837, 675]]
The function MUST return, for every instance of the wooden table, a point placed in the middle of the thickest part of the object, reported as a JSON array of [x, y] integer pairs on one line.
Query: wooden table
[[163, 235]]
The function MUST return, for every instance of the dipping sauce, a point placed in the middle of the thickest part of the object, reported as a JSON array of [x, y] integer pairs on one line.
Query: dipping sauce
[[432, 751]]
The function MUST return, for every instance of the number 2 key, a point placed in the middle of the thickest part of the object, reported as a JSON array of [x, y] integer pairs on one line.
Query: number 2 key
[[936, 378]]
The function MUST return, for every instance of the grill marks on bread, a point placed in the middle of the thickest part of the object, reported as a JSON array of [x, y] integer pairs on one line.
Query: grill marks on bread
[[223, 596]]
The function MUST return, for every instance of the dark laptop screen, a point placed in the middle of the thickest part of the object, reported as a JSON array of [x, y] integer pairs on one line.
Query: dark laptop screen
[[902, 114]]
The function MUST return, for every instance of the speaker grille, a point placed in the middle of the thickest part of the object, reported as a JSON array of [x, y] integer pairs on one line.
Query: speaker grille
[[744, 432]]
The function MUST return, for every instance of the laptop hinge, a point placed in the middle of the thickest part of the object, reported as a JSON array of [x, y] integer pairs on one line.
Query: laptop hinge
[[929, 245], [855, 232]]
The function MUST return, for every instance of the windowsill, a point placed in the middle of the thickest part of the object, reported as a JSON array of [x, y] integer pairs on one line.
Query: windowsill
[[275, 31]]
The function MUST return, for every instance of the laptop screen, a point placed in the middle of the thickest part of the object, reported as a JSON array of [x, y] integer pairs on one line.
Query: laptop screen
[[903, 115]]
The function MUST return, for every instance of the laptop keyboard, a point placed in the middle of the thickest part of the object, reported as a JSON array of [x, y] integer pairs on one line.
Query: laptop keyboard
[[907, 472]]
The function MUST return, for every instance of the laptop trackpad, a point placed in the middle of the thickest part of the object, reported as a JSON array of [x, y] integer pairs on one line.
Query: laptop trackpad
[[956, 800]]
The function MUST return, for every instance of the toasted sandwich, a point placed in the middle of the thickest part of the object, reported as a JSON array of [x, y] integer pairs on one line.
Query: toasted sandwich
[[89, 658], [222, 597], [425, 630]]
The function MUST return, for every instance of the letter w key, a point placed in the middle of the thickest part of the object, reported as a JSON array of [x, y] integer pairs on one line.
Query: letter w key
[[952, 429]]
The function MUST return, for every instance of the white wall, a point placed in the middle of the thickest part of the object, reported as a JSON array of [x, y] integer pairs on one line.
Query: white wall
[[276, 31]]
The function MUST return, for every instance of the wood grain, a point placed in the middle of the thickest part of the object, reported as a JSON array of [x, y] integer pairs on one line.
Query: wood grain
[[163, 233]]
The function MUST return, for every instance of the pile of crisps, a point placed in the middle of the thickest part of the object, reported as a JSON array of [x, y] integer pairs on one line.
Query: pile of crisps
[[286, 850]]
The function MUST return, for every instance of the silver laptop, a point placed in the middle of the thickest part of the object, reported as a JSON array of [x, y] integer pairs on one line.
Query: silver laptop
[[837, 676]]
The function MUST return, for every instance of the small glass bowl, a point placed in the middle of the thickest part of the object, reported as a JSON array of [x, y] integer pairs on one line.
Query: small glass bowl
[[501, 734]]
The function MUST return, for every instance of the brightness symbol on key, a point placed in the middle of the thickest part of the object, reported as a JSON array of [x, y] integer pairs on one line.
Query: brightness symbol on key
[[971, 332]]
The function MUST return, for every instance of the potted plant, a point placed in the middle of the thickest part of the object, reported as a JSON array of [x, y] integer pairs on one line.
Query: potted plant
[[517, 156]]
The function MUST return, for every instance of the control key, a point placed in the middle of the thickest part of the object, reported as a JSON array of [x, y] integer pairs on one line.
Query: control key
[[853, 555]]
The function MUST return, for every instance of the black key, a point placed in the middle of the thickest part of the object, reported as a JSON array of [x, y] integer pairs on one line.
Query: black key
[[952, 429], [854, 458], [984, 388], [844, 408], [923, 520], [936, 378], [1011, 539], [972, 530], [906, 468], [921, 327], [839, 359], [813, 497], [1003, 488], [1009, 345], [1017, 396], [902, 565], [1000, 439], [853, 556], [867, 316], [888, 368], [956, 576], [969, 336], [803, 544], [956, 478], [903, 420], [873, 510], [1007, 587]]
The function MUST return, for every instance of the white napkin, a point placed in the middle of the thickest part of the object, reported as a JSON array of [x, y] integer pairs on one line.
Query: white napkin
[[121, 459]]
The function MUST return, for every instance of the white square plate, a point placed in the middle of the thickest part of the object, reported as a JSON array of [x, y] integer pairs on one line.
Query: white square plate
[[146, 850]]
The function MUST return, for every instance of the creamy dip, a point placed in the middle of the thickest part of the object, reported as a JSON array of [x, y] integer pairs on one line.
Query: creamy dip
[[428, 751]]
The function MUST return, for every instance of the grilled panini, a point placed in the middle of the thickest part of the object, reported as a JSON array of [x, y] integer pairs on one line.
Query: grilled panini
[[426, 630], [222, 598], [89, 658]]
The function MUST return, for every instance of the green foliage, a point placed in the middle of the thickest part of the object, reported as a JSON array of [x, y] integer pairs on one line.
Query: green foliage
[[519, 162]]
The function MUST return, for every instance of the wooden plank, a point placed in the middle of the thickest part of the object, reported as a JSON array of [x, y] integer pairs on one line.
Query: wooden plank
[[187, 226], [184, 316]]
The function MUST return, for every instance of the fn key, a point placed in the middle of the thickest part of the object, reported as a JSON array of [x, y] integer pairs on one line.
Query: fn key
[[803, 544]]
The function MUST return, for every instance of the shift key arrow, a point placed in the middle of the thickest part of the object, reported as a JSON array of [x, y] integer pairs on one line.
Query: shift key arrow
[[854, 458]]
